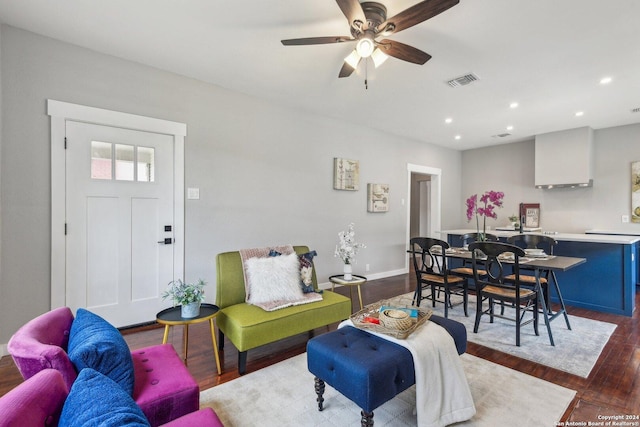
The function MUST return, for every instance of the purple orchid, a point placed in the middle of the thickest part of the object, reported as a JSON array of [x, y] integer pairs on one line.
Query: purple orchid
[[472, 203], [489, 200]]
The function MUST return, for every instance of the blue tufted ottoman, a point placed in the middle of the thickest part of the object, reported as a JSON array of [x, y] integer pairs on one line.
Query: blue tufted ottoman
[[365, 368]]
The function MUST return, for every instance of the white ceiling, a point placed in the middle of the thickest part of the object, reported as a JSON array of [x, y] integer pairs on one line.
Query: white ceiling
[[547, 55]]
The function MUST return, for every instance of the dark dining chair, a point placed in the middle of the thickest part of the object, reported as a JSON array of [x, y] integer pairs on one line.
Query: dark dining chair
[[430, 264], [546, 243], [534, 241], [494, 257]]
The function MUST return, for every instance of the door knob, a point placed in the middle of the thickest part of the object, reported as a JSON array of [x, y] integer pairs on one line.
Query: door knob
[[166, 241]]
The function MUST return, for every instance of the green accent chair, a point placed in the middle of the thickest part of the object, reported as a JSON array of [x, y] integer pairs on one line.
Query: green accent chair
[[248, 326]]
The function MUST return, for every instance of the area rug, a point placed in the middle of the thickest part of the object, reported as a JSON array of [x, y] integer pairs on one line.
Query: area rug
[[576, 351], [283, 395]]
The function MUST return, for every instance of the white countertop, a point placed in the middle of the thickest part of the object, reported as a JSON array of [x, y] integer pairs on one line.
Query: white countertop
[[613, 232], [568, 237]]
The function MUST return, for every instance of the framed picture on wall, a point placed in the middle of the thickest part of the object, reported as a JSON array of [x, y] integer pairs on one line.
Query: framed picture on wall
[[377, 197], [346, 174], [531, 214], [635, 192]]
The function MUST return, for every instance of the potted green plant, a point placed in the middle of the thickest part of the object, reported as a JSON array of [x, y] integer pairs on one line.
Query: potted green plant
[[187, 295], [515, 221]]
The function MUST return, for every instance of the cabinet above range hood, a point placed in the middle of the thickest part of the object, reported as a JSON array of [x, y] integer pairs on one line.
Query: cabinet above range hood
[[564, 159]]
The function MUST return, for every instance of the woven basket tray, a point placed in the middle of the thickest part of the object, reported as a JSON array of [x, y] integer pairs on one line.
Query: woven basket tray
[[402, 330]]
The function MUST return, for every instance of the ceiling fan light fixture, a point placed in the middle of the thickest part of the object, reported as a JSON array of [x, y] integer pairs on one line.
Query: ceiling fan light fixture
[[353, 59], [368, 21], [379, 57], [365, 46]]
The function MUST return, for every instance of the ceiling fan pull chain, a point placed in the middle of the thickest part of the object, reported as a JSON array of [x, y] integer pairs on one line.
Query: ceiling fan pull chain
[[366, 73]]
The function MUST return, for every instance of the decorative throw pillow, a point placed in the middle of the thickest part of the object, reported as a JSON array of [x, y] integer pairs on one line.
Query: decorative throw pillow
[[95, 400], [273, 252], [306, 271], [274, 279], [95, 343]]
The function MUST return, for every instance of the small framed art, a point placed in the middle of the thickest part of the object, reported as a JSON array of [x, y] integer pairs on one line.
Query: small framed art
[[346, 174], [531, 214], [635, 192], [377, 197]]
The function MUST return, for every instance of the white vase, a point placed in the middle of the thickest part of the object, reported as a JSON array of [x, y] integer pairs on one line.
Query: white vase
[[191, 310], [347, 272]]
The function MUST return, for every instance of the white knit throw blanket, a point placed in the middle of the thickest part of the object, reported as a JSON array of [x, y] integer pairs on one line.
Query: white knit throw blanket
[[443, 396]]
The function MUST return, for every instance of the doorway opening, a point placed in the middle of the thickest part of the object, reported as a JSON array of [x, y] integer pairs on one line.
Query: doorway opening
[[424, 206], [420, 225]]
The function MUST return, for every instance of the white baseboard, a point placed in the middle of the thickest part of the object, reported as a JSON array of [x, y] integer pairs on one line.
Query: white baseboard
[[373, 276], [3, 350]]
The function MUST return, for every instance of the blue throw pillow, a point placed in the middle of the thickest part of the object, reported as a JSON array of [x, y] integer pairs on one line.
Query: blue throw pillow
[[95, 343], [306, 271], [95, 400]]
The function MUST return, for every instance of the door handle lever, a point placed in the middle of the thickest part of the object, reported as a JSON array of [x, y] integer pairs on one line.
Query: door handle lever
[[166, 241]]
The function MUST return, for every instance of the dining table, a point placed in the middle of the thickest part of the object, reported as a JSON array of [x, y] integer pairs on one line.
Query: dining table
[[539, 264]]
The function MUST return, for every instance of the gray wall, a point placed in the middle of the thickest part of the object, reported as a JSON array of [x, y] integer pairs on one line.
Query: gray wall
[[510, 168], [264, 172]]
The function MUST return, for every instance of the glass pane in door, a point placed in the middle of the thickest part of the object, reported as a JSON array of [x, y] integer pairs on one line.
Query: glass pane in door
[[101, 160], [124, 162], [146, 164]]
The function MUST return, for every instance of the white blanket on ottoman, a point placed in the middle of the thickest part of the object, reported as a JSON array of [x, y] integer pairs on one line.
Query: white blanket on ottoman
[[443, 396]]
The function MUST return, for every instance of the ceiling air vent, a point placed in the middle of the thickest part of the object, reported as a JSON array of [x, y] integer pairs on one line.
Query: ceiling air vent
[[635, 110], [501, 135], [463, 80]]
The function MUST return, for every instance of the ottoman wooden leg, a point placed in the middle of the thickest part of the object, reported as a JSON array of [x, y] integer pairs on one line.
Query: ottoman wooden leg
[[367, 419], [319, 384]]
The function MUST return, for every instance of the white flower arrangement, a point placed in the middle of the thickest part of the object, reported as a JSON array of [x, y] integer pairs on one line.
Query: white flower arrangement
[[348, 247]]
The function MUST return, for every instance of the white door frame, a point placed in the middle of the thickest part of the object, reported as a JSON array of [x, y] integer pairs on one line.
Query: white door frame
[[60, 112], [435, 201]]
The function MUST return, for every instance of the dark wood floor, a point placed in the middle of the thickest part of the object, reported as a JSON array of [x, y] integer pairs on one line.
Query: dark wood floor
[[612, 388]]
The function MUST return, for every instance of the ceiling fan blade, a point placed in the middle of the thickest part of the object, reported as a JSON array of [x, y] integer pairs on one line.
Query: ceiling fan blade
[[403, 51], [352, 10], [317, 40], [346, 70], [416, 14]]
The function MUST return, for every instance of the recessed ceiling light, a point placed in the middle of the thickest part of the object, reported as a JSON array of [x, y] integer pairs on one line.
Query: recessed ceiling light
[[458, 137], [513, 105], [509, 127], [579, 113], [448, 120], [605, 80]]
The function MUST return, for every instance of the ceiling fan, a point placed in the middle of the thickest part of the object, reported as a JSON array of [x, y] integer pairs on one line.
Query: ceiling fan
[[368, 21]]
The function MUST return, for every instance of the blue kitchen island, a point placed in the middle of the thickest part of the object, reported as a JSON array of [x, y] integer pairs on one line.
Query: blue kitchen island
[[606, 282]]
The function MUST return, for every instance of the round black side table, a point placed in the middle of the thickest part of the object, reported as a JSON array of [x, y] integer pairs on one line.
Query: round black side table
[[171, 317]]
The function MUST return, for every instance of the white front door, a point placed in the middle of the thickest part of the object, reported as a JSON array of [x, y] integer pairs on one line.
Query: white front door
[[119, 221]]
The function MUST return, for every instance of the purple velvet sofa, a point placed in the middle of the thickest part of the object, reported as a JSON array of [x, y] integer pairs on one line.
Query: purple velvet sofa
[[159, 383], [40, 400]]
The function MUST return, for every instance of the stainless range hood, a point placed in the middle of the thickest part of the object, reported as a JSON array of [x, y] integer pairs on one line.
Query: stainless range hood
[[564, 159]]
